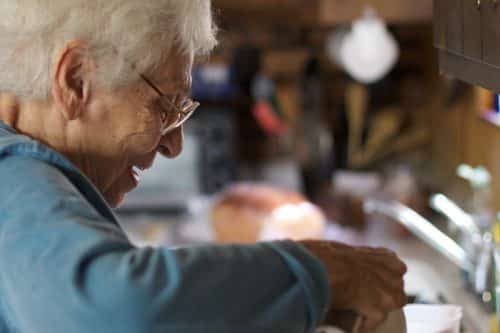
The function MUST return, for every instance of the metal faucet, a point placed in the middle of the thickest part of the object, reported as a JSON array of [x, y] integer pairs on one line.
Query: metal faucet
[[455, 214], [478, 246], [423, 229]]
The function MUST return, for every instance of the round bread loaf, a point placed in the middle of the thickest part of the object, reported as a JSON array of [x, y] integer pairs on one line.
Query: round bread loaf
[[247, 213]]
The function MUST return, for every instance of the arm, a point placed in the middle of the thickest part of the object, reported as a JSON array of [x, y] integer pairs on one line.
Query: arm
[[64, 269]]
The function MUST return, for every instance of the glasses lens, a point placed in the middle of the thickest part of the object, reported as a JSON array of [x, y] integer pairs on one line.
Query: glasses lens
[[188, 111], [181, 116], [168, 112], [185, 104]]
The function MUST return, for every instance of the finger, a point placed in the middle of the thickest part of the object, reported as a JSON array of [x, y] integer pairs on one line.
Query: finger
[[335, 246], [381, 293], [339, 245], [379, 302], [377, 250], [389, 301], [392, 299], [398, 301], [391, 263], [399, 293], [385, 281], [391, 283], [380, 251], [375, 305], [382, 256], [358, 325], [371, 324], [401, 299]]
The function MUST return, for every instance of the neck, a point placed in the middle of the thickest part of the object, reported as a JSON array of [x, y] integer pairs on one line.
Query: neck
[[45, 122], [38, 120]]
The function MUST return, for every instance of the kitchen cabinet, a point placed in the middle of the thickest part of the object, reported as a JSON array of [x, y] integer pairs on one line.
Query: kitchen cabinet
[[467, 35], [490, 15], [472, 45], [454, 25]]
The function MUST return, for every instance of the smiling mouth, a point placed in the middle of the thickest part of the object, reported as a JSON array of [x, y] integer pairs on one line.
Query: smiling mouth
[[136, 170]]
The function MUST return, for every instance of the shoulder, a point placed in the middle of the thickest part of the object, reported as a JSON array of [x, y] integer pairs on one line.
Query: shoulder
[[29, 182], [29, 173]]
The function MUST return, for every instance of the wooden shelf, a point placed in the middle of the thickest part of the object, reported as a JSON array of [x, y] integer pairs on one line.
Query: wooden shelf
[[323, 13], [258, 6], [266, 11], [393, 11]]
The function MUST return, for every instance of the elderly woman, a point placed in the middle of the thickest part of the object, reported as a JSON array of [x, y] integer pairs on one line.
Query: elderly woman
[[91, 92]]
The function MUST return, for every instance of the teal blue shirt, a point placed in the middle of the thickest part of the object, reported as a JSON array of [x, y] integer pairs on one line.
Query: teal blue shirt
[[66, 265]]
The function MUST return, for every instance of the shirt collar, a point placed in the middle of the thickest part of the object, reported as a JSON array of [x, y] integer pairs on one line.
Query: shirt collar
[[23, 145]]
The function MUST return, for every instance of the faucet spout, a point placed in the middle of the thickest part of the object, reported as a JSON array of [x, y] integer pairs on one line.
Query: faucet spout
[[455, 214], [423, 229]]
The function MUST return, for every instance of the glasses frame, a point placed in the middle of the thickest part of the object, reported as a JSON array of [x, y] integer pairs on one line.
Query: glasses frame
[[182, 112]]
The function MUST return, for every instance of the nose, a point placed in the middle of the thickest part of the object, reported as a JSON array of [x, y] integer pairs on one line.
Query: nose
[[171, 144]]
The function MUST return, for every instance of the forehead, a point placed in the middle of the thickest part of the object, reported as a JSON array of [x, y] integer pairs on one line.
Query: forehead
[[175, 74]]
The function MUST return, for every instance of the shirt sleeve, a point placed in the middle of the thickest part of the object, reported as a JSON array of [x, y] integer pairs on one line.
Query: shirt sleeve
[[63, 268]]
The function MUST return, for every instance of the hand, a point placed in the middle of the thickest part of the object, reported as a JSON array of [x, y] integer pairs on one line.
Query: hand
[[367, 281]]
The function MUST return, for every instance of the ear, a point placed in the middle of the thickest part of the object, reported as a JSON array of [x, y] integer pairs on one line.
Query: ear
[[71, 81]]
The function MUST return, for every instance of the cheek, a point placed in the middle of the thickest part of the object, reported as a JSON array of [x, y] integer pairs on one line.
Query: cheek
[[141, 143], [130, 128], [143, 136], [142, 132]]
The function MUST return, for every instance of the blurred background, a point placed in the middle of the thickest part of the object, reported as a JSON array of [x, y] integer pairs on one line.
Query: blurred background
[[331, 119]]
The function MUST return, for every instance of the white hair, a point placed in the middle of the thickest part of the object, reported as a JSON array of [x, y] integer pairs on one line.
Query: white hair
[[118, 32]]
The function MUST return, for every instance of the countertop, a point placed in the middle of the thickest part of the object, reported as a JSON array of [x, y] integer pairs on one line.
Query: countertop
[[430, 275]]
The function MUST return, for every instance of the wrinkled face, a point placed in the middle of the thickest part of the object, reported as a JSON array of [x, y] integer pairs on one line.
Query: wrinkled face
[[123, 131]]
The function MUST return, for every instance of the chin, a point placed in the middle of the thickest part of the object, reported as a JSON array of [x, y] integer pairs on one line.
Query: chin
[[114, 199], [116, 193]]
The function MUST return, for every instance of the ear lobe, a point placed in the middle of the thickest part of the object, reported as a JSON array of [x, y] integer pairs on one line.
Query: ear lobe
[[71, 82]]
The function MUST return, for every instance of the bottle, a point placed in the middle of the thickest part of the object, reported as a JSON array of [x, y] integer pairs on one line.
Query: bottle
[[482, 198], [495, 322], [482, 212]]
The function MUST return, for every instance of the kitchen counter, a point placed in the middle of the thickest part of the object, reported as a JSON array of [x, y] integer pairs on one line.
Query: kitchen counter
[[430, 275]]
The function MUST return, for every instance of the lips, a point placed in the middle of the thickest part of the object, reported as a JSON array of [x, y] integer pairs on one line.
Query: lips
[[136, 169], [134, 173]]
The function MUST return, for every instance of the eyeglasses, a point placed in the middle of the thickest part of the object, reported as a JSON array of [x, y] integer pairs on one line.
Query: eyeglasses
[[172, 115]]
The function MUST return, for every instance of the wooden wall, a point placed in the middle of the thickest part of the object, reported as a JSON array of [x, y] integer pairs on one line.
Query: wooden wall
[[461, 135]]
